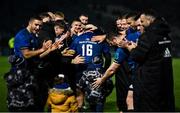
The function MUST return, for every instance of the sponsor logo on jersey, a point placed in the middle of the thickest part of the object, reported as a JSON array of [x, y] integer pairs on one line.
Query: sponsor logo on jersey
[[167, 53]]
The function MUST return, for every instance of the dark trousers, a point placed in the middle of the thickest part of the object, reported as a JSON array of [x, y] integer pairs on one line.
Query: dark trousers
[[122, 82], [153, 93]]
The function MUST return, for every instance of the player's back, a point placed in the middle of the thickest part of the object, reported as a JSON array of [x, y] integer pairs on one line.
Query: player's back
[[86, 48]]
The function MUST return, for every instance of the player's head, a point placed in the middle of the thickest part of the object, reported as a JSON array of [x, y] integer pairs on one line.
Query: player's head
[[59, 15], [60, 27], [114, 39], [45, 17], [34, 24], [131, 19], [147, 17], [121, 23], [84, 18], [76, 26]]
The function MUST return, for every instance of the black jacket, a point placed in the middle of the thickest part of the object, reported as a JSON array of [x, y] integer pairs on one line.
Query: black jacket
[[154, 82], [46, 32]]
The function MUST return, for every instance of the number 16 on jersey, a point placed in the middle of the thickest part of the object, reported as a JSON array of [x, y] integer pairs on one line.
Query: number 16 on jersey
[[87, 50]]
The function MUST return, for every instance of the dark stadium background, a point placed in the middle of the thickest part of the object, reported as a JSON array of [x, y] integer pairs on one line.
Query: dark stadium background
[[15, 14]]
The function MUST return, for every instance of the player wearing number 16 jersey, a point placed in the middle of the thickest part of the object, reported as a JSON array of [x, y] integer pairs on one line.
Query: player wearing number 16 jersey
[[93, 53]]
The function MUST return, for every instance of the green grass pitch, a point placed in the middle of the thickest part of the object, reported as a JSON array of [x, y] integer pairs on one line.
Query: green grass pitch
[[111, 100]]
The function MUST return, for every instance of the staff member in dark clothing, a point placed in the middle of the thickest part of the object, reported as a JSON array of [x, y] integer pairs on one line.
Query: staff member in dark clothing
[[153, 86]]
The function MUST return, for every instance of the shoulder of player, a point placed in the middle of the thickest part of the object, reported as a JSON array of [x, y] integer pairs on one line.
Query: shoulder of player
[[120, 50], [21, 34], [88, 33]]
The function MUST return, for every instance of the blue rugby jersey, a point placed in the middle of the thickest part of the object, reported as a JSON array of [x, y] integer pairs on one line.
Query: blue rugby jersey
[[88, 49], [122, 54], [132, 35], [23, 40]]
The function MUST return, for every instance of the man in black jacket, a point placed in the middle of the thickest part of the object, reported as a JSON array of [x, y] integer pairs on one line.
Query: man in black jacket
[[153, 87]]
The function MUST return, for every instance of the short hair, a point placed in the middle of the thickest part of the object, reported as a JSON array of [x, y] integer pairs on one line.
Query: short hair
[[150, 12], [59, 13], [44, 15], [62, 24], [35, 17], [121, 16], [76, 20], [133, 15], [110, 36], [86, 15]]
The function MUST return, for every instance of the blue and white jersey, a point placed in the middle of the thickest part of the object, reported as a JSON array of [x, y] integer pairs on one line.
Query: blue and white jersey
[[24, 40], [120, 55], [88, 49], [132, 35]]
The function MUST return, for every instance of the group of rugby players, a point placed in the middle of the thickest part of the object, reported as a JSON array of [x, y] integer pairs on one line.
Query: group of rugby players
[[52, 56]]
